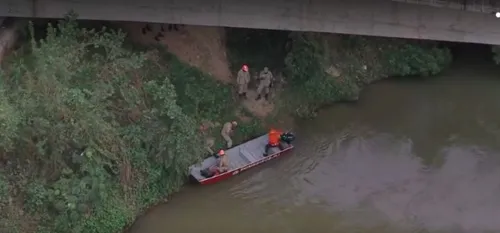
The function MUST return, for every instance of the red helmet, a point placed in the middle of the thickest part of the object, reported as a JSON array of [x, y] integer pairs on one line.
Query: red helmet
[[245, 68], [222, 153]]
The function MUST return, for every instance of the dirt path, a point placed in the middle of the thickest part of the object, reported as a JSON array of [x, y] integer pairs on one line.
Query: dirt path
[[260, 108]]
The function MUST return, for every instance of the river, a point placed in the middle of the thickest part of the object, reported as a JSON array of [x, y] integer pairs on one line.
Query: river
[[409, 156]]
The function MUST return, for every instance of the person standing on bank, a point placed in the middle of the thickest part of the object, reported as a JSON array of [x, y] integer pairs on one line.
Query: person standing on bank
[[266, 78], [242, 79], [227, 130]]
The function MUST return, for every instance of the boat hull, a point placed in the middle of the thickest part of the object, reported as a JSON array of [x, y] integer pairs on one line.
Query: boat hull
[[237, 171]]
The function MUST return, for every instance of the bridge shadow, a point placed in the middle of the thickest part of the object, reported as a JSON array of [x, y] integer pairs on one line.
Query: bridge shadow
[[471, 54]]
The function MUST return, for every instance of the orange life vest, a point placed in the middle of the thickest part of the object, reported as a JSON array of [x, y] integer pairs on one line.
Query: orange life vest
[[274, 137]]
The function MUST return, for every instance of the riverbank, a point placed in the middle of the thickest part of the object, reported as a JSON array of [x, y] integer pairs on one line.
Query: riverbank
[[97, 129], [409, 156]]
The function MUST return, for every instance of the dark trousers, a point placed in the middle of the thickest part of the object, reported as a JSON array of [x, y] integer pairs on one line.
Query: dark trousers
[[269, 146]]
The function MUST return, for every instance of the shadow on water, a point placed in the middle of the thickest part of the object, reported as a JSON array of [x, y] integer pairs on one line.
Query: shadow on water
[[408, 157]]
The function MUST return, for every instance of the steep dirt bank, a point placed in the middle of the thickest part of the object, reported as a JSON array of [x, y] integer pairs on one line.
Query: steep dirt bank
[[202, 47]]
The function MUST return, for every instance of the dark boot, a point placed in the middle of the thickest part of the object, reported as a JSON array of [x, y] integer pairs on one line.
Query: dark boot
[[162, 29], [266, 150], [266, 96], [244, 95], [258, 97]]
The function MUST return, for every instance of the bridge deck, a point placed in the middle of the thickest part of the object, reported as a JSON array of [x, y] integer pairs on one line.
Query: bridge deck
[[378, 18]]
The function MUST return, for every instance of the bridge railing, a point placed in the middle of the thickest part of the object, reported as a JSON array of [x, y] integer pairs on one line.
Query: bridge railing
[[485, 6]]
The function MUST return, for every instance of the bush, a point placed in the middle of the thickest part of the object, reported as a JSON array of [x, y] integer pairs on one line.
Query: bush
[[111, 216], [36, 196], [9, 121], [356, 60], [81, 107], [202, 97], [311, 86], [4, 189], [9, 222], [413, 60]]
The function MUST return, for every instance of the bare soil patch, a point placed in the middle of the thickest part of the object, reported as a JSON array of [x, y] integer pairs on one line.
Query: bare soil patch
[[200, 46]]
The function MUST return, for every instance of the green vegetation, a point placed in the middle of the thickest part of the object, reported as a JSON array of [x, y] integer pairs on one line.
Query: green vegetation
[[325, 68], [322, 69], [95, 129], [95, 132]]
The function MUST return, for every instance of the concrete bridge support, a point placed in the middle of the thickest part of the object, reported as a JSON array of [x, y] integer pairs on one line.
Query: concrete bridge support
[[361, 17]]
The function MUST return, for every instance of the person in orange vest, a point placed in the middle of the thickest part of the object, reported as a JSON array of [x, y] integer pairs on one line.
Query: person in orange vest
[[274, 140]]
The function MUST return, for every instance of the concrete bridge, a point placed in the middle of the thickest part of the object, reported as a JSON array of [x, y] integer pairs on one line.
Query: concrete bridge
[[434, 20]]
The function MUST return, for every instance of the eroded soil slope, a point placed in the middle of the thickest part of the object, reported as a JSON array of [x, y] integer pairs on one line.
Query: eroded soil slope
[[202, 47]]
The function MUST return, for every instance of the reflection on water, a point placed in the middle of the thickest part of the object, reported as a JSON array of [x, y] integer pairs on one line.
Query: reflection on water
[[408, 157]]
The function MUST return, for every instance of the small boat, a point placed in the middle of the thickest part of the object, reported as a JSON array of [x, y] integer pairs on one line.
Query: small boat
[[241, 158]]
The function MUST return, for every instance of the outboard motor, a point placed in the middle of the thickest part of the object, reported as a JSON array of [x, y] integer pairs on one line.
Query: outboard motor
[[287, 137]]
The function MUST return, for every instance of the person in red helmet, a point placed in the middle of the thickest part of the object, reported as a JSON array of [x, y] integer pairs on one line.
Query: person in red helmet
[[221, 165], [223, 162], [242, 79]]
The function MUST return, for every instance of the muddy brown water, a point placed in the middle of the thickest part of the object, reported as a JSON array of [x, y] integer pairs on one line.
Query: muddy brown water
[[410, 156]]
